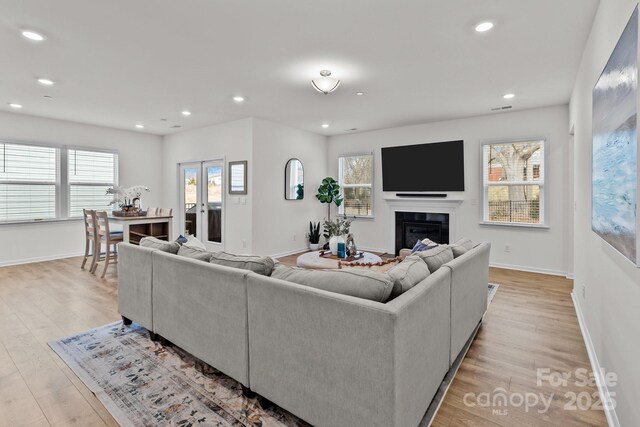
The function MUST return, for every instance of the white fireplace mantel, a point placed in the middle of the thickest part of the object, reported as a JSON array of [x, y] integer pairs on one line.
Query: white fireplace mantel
[[444, 205]]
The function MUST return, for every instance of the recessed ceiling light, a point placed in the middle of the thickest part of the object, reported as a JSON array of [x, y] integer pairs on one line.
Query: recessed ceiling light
[[48, 97], [46, 82], [325, 125], [139, 126], [14, 105], [238, 98], [186, 113], [32, 35], [359, 93], [509, 95], [484, 26]]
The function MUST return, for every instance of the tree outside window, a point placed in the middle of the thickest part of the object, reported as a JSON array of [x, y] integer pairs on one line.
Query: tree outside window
[[355, 176]]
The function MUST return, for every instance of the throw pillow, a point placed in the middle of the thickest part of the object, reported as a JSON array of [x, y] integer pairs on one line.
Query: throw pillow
[[194, 253], [163, 245], [407, 274], [258, 264], [422, 246], [194, 243], [181, 239], [461, 246], [360, 283], [435, 257]]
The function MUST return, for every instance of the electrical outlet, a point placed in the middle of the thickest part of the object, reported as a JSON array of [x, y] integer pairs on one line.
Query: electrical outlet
[[584, 291], [244, 243], [295, 237], [507, 247]]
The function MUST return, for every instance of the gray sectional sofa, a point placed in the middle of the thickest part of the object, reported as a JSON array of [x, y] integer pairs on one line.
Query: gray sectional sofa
[[329, 358]]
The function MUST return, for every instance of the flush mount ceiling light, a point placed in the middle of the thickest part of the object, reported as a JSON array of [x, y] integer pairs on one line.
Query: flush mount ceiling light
[[484, 26], [238, 98], [186, 113], [325, 125], [509, 95], [139, 126], [14, 105], [325, 83], [32, 35], [46, 82]]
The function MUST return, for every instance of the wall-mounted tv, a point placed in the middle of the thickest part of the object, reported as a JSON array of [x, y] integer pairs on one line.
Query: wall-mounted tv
[[424, 167]]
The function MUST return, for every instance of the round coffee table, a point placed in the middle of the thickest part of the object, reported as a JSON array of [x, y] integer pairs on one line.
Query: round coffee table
[[314, 260]]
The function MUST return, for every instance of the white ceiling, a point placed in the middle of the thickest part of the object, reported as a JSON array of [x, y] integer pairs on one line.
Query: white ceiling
[[122, 62]]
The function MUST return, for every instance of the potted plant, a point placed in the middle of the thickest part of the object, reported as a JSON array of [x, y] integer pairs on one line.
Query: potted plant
[[334, 232], [314, 236], [329, 193]]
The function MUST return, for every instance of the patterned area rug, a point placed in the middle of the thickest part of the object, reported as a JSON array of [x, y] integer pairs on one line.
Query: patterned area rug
[[142, 383]]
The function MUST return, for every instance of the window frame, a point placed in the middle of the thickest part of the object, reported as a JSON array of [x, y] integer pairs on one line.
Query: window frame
[[62, 185], [341, 211], [542, 183]]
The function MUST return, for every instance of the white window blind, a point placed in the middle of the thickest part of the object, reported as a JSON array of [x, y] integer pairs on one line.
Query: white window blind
[[513, 176], [28, 177], [90, 174], [355, 176]]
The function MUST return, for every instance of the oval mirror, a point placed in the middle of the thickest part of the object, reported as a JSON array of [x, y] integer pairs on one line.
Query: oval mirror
[[294, 180]]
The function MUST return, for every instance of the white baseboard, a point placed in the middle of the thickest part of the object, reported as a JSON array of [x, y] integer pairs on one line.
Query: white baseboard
[[610, 413], [295, 251], [38, 259], [531, 269]]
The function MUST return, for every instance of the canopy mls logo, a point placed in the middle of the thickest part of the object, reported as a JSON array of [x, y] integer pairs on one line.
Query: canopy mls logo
[[500, 399]]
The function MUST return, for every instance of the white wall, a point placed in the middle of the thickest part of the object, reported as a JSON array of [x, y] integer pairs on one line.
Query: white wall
[[545, 250], [140, 161], [611, 308], [229, 141], [276, 220]]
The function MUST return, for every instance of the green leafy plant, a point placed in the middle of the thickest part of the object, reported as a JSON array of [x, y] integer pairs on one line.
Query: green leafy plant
[[314, 233], [300, 192], [329, 192], [339, 227]]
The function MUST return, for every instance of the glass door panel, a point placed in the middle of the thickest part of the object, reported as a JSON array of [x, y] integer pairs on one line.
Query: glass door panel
[[190, 177], [213, 196]]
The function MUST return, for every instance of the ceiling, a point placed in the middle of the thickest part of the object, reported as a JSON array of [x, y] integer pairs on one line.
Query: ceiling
[[119, 63]]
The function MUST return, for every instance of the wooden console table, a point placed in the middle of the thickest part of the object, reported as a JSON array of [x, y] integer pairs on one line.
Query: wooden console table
[[135, 228]]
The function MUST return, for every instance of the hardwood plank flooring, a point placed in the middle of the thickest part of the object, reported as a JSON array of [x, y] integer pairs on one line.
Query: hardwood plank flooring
[[531, 324]]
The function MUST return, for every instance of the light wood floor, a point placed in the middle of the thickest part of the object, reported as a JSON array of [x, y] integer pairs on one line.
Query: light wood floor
[[530, 324]]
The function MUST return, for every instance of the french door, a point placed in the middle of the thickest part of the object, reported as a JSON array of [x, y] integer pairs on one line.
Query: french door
[[202, 201]]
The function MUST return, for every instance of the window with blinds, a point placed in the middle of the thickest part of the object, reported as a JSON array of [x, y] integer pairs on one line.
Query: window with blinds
[[513, 176], [28, 177], [355, 176], [90, 173], [39, 182]]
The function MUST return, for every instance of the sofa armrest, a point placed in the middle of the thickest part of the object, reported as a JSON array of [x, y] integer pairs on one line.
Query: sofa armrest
[[404, 253], [202, 308], [469, 281], [339, 360], [135, 285]]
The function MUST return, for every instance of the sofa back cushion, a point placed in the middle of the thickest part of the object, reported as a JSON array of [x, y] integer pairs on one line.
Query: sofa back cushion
[[461, 246], [359, 283], [163, 245], [195, 253], [258, 264], [436, 257], [411, 271]]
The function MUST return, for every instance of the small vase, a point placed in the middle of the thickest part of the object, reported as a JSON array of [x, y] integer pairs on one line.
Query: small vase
[[314, 246], [333, 244]]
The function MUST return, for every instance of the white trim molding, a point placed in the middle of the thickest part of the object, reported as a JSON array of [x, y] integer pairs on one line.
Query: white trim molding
[[39, 259], [531, 269], [605, 396]]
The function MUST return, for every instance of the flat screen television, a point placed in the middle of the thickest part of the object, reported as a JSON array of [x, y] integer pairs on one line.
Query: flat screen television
[[424, 167]]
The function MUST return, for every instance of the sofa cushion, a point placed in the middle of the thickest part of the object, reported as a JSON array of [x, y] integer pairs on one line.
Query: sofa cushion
[[258, 264], [434, 258], [461, 246], [194, 253], [361, 283], [194, 243], [411, 271], [163, 245]]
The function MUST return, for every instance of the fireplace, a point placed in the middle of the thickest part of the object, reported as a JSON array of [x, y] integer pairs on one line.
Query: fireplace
[[414, 226]]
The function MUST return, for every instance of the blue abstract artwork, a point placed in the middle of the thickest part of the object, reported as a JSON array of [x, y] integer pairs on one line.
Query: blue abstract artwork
[[615, 146]]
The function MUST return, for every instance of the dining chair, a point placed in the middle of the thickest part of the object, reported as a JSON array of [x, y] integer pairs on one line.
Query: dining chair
[[164, 212], [106, 237], [152, 211], [89, 237]]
